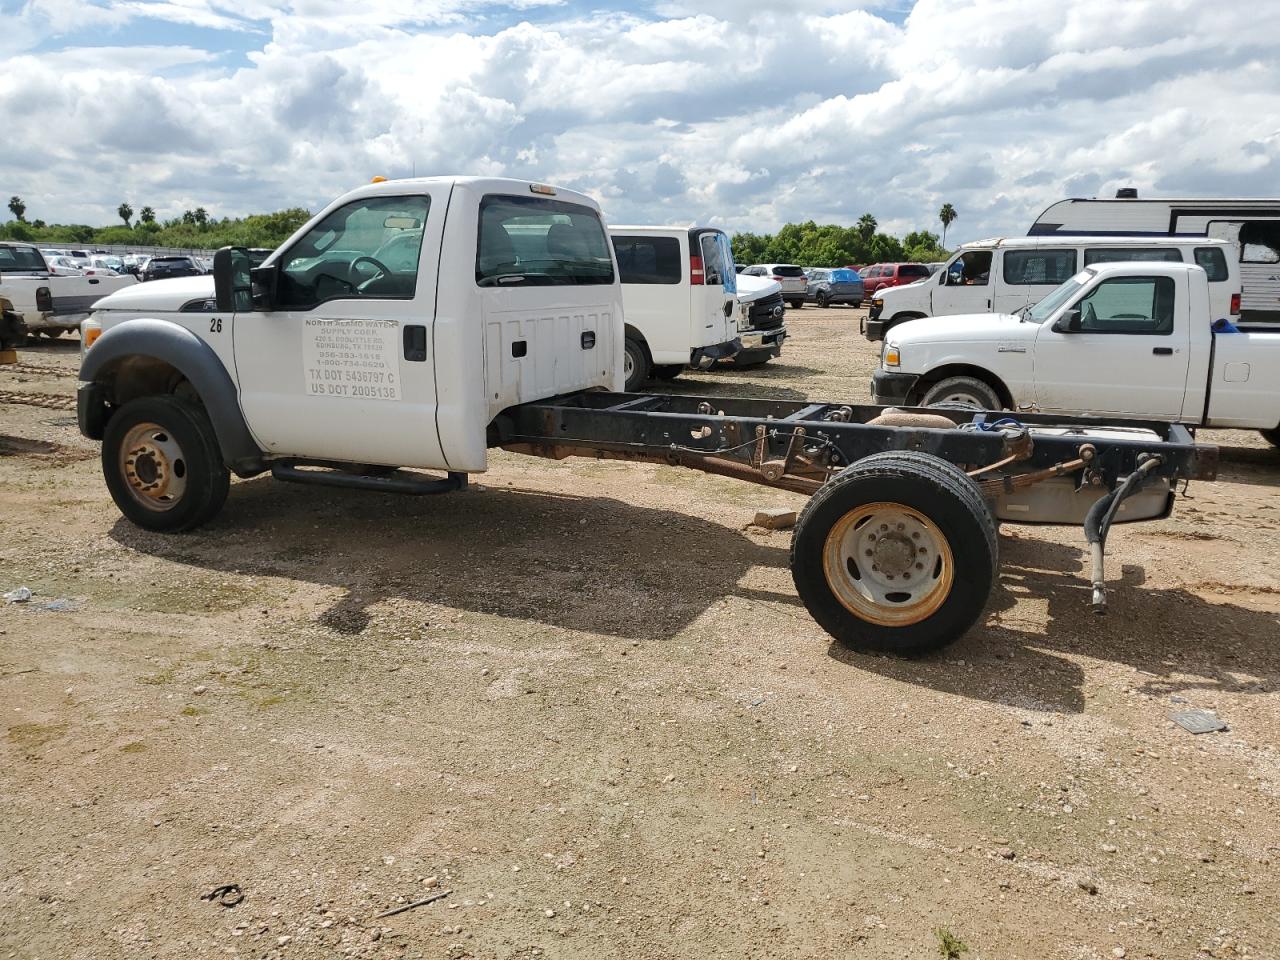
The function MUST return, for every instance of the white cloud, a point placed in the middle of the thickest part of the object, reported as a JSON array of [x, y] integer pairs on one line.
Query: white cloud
[[746, 114]]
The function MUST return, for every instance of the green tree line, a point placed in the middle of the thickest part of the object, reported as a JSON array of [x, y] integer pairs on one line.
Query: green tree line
[[195, 229], [811, 244]]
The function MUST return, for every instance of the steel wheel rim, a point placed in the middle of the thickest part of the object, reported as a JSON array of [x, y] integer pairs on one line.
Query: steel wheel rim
[[962, 397], [628, 365], [153, 466], [888, 564]]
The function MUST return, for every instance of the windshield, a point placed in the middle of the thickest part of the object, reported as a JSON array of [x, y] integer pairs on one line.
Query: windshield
[[1049, 305], [538, 241]]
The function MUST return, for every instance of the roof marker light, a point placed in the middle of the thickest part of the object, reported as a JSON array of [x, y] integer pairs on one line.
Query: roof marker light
[[543, 189]]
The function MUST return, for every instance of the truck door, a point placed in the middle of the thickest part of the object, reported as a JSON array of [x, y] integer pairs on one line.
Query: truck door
[[340, 367], [1127, 357], [965, 286]]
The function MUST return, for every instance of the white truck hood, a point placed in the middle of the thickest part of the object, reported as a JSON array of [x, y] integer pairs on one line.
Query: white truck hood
[[158, 295], [963, 328], [752, 288]]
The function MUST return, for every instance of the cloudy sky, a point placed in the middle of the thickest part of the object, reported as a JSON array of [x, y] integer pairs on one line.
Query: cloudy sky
[[745, 114]]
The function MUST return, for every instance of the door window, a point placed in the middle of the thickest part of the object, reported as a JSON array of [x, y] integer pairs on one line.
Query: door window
[[648, 259], [536, 241], [365, 249], [1038, 267], [972, 269], [1133, 305]]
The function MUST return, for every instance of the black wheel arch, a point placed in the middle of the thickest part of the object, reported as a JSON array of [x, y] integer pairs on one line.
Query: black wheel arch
[[150, 357], [939, 374]]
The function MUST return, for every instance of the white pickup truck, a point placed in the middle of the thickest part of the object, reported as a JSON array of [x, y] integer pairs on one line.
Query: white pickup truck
[[418, 323], [1131, 340], [48, 303]]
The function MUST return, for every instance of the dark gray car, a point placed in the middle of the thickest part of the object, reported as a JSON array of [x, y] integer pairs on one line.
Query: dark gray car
[[829, 287]]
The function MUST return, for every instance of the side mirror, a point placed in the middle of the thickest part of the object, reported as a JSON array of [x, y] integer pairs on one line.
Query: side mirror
[[231, 284], [262, 281], [1069, 322]]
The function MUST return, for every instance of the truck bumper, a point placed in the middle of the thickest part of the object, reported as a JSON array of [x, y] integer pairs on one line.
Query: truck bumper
[[702, 358], [888, 387], [760, 342]]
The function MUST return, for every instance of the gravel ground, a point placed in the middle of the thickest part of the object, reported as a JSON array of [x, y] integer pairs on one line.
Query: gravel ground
[[584, 698]]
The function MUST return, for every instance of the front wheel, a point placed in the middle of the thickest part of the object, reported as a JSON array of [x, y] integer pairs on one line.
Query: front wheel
[[967, 390], [896, 554], [1272, 436], [162, 464], [823, 301], [635, 365]]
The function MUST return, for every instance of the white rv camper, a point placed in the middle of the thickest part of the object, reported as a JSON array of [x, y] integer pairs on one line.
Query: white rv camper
[[1253, 225]]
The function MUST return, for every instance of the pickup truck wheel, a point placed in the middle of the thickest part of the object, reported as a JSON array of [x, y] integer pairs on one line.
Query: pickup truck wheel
[[896, 554], [822, 300], [1271, 436], [162, 464], [967, 390], [635, 365]]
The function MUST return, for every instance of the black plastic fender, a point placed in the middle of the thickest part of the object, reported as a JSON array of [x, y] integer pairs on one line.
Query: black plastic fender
[[194, 359]]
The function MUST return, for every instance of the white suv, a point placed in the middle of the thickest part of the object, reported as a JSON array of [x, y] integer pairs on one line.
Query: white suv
[[795, 285]]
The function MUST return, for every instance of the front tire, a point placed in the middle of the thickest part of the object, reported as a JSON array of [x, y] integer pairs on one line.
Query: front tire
[[823, 301], [667, 371], [162, 464], [896, 554], [635, 364], [967, 390], [1272, 436]]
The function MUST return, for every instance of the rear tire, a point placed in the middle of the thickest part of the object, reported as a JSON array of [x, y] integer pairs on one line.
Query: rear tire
[[968, 390], [897, 554], [162, 464], [635, 364], [795, 304], [667, 371]]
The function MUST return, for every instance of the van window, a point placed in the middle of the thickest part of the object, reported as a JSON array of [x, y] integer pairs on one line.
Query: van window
[[648, 259], [536, 241], [1035, 267], [972, 269], [1213, 261], [1128, 254], [715, 261], [1133, 305]]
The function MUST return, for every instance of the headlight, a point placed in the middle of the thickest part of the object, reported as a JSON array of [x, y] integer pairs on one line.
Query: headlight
[[892, 356]]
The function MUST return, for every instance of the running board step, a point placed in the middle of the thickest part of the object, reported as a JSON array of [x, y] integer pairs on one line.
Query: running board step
[[327, 475]]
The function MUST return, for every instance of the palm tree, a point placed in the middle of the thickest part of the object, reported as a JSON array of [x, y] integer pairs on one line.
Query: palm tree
[[18, 208], [867, 226], [147, 215], [948, 216], [125, 212]]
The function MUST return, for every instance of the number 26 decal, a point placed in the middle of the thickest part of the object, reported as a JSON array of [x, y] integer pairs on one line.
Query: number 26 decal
[[215, 324]]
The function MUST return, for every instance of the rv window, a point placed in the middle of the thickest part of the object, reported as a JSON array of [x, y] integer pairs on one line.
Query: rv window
[[1260, 242], [1132, 305], [648, 259], [1214, 262], [1033, 267], [1129, 254]]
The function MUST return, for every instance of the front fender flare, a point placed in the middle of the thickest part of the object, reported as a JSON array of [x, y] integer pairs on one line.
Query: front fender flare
[[194, 359]]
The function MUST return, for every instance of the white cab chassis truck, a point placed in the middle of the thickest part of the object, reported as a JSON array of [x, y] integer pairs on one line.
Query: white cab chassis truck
[[414, 324], [1122, 340]]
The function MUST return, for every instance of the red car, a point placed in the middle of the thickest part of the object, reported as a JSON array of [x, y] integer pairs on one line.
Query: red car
[[891, 275]]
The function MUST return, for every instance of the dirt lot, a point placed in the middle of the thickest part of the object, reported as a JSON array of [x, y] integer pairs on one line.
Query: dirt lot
[[585, 699]]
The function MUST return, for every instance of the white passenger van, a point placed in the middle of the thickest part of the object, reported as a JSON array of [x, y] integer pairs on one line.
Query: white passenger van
[[1003, 275], [678, 288]]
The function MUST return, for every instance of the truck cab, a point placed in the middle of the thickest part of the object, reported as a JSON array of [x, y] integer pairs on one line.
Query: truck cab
[[390, 330]]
